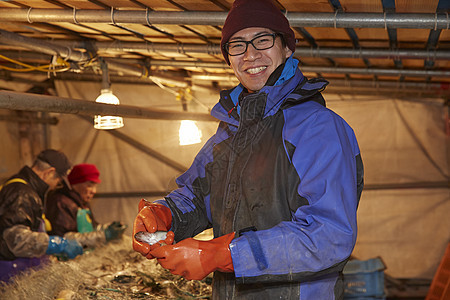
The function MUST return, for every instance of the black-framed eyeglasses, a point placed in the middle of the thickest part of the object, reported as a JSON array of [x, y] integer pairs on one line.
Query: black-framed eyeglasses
[[262, 42]]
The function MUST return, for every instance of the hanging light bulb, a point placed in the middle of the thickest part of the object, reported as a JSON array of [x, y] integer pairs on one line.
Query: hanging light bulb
[[189, 133], [106, 96], [107, 122]]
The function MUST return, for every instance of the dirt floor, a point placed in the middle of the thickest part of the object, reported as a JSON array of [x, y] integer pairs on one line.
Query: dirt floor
[[113, 271]]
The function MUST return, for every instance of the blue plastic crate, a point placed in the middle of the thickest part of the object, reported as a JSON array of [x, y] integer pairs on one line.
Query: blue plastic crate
[[364, 279]]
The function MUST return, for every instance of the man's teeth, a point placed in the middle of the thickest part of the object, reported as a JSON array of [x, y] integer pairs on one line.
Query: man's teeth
[[255, 70]]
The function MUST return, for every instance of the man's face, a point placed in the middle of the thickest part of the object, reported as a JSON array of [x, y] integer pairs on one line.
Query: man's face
[[51, 178], [86, 189], [254, 67]]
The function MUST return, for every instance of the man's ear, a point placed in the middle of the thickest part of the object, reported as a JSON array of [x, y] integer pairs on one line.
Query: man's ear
[[288, 52], [48, 173]]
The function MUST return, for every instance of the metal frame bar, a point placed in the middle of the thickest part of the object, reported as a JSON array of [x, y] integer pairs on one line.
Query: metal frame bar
[[35, 102], [213, 18]]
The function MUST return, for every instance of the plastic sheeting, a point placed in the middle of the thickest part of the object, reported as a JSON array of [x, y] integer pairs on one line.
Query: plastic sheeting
[[402, 142]]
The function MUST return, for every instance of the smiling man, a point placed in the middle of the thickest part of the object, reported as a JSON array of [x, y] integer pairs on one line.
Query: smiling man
[[279, 182]]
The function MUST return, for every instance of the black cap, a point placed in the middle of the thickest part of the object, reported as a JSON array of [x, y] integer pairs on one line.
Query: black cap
[[57, 160]]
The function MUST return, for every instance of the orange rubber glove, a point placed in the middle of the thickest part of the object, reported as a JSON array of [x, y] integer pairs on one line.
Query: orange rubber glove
[[143, 203], [194, 259], [152, 217]]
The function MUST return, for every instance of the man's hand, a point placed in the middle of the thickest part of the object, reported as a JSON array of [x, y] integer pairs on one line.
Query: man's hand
[[194, 259], [114, 230], [67, 247], [151, 218]]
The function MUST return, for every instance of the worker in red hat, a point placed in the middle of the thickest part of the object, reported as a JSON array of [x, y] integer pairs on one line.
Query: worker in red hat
[[69, 211], [279, 182]]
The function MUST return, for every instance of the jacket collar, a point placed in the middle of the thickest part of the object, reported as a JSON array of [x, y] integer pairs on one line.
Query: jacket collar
[[228, 106], [72, 194], [34, 181]]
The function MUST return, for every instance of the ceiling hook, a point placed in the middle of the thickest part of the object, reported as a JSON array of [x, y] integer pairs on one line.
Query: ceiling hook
[[147, 18], [112, 16], [28, 15], [75, 16], [335, 17]]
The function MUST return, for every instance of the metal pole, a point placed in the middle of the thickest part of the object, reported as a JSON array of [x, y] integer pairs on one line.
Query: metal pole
[[42, 46], [214, 49], [119, 64], [143, 194], [393, 88], [34, 102], [409, 185], [65, 49], [213, 18], [315, 69], [372, 53], [391, 84], [30, 119], [372, 187]]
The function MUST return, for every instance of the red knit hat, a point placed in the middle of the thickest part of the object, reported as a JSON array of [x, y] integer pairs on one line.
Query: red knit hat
[[84, 172], [256, 13]]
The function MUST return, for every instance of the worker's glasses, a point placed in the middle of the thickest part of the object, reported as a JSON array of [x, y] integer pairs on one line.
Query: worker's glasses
[[262, 42]]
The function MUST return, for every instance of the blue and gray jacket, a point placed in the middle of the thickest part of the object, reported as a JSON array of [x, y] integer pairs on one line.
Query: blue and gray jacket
[[284, 173]]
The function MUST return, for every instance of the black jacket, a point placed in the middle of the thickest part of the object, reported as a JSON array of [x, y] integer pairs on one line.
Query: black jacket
[[21, 204]]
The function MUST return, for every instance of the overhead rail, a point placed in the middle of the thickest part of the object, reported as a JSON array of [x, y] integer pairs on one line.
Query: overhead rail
[[296, 19], [313, 69], [136, 71], [67, 52], [67, 49], [390, 88], [351, 85], [41, 46], [385, 186], [214, 49], [435, 87], [35, 102], [143, 72]]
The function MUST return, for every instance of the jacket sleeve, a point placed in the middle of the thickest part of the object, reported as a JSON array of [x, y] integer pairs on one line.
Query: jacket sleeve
[[88, 239], [21, 218], [321, 235], [22, 242], [190, 203]]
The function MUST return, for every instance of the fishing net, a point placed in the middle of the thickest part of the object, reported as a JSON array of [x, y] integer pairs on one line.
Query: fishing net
[[113, 271]]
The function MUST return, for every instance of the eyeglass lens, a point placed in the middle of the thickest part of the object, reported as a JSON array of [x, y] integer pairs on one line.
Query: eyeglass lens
[[262, 42]]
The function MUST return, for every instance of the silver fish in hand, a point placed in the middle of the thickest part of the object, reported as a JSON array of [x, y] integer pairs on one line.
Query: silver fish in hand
[[151, 238]]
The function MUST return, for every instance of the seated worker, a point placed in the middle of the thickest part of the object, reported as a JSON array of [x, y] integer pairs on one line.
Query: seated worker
[[69, 212], [23, 240]]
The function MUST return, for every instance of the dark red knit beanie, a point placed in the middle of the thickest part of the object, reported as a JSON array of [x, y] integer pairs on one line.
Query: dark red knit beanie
[[256, 13]]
